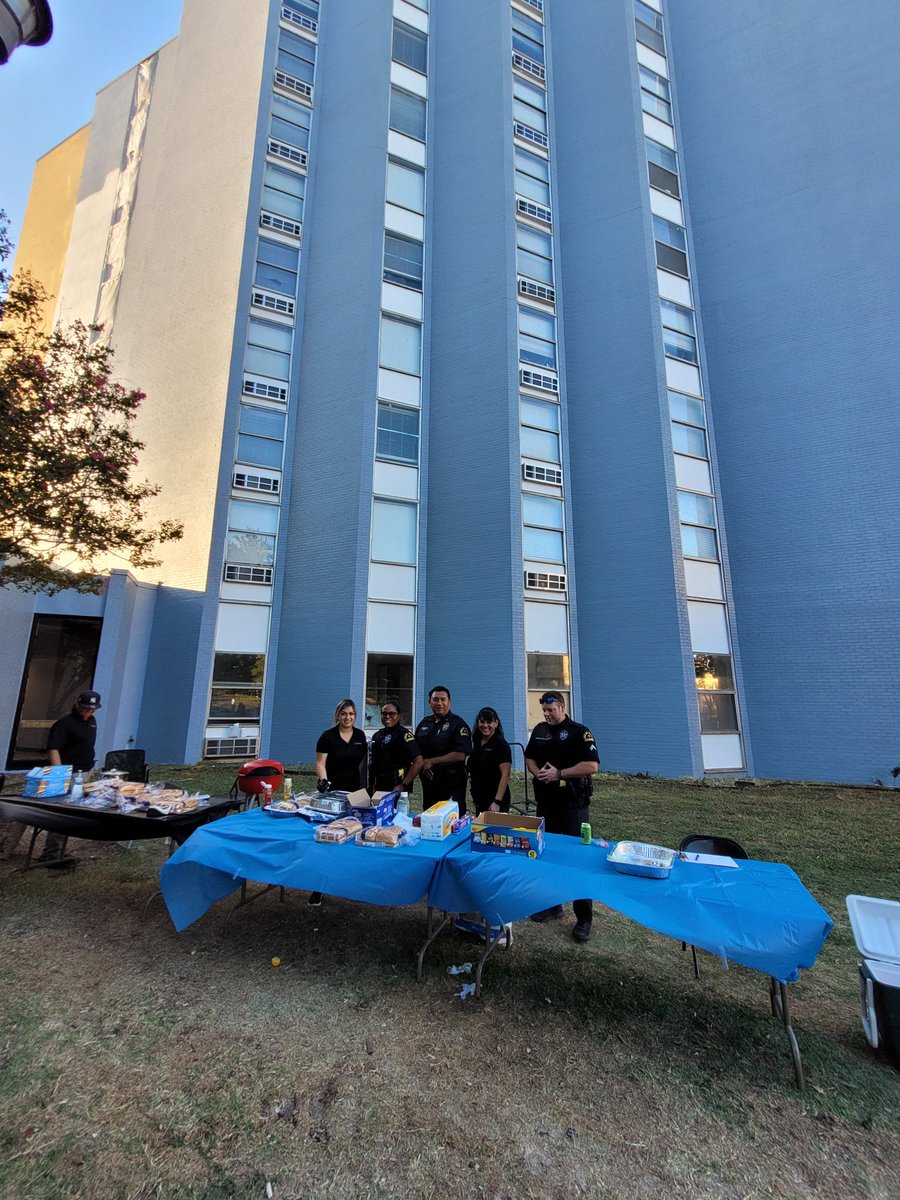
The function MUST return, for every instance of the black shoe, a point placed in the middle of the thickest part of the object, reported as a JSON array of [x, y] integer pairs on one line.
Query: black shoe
[[547, 914], [51, 861], [315, 900], [582, 931]]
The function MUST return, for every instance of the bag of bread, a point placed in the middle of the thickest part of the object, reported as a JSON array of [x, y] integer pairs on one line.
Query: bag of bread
[[380, 835], [339, 831]]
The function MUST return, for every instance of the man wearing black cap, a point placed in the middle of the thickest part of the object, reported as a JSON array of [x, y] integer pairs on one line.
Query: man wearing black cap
[[72, 737], [562, 756], [71, 741]]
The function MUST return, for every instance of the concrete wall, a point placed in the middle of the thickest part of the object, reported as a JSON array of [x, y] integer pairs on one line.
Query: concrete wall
[[787, 114], [473, 615], [44, 240], [633, 645]]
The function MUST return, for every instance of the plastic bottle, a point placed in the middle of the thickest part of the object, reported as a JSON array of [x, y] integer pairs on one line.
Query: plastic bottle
[[288, 787], [403, 803], [77, 793]]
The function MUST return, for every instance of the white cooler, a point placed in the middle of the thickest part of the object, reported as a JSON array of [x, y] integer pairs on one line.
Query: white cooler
[[876, 928]]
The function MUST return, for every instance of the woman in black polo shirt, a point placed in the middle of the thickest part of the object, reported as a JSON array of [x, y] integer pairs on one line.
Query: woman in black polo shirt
[[489, 764], [341, 751]]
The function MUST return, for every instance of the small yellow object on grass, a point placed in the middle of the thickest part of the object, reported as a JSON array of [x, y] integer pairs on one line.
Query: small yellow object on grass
[[276, 962]]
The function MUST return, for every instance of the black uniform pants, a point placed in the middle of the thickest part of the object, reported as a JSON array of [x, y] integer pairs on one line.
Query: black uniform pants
[[568, 820]]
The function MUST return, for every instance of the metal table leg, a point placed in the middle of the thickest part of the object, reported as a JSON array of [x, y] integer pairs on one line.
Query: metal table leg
[[433, 932], [490, 945], [256, 895], [62, 859], [778, 998]]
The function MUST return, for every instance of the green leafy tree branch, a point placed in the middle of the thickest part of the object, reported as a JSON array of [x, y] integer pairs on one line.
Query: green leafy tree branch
[[68, 497]]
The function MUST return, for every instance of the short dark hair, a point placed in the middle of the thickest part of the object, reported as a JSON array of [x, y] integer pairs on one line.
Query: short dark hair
[[553, 697], [439, 687]]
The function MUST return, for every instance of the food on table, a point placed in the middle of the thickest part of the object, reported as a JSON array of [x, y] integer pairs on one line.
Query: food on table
[[339, 831], [385, 835]]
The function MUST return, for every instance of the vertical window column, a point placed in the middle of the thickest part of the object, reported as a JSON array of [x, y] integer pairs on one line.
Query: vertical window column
[[394, 549]]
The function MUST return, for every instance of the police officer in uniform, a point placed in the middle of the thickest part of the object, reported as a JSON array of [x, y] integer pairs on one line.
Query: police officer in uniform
[[562, 756], [445, 742], [396, 758]]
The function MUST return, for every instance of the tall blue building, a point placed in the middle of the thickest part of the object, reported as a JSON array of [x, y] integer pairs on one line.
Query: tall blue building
[[503, 344]]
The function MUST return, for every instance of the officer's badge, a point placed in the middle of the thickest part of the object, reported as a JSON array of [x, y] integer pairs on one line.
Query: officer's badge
[[563, 735]]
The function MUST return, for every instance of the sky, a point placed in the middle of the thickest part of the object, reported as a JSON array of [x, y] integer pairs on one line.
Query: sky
[[47, 92]]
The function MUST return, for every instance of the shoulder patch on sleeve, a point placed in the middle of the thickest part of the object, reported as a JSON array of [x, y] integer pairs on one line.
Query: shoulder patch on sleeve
[[464, 730], [588, 736], [407, 737]]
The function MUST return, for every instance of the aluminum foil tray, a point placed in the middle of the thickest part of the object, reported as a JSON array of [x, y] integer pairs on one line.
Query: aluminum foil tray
[[641, 858]]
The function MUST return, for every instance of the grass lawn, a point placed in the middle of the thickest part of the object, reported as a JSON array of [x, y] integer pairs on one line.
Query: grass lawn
[[136, 1062]]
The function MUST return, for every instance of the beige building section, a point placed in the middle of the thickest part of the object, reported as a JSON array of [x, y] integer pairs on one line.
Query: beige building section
[[174, 323], [47, 227]]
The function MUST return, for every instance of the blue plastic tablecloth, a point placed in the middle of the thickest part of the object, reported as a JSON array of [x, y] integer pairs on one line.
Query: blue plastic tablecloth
[[758, 913], [216, 859]]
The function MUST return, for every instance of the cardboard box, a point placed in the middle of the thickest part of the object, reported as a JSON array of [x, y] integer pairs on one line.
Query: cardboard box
[[377, 809], [47, 782], [508, 833], [437, 821]]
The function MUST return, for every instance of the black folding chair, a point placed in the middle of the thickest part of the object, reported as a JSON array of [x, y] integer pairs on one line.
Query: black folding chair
[[132, 762]]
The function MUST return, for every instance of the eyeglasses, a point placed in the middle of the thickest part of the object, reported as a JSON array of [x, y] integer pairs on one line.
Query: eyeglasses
[[389, 712], [550, 698]]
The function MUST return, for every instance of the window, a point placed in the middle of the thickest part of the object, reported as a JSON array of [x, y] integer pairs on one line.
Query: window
[[236, 687], [403, 261], [407, 114], [534, 254], [251, 533], [283, 192], [678, 331], [388, 677], [260, 436], [268, 349], [290, 122], [540, 414], [698, 517], [542, 510], [405, 186], [397, 435], [528, 36], [410, 47], [655, 95], [662, 164], [671, 246], [686, 408], [536, 444], [648, 24], [687, 440], [715, 693], [539, 436], [307, 8], [537, 338], [394, 531], [533, 177], [529, 104], [548, 671], [697, 509], [296, 56], [276, 266], [542, 537], [401, 345]]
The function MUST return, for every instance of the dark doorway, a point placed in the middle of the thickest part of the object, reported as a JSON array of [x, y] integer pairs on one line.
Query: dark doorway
[[61, 659]]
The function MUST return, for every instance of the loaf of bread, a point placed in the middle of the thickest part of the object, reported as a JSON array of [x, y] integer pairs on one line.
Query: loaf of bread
[[388, 835], [339, 831]]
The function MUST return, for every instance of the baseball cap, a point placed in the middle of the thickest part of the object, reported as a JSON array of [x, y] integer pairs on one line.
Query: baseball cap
[[88, 699]]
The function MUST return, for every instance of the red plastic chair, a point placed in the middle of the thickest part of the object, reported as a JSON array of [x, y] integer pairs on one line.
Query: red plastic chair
[[251, 777]]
